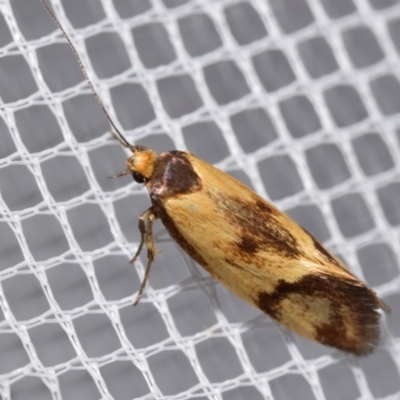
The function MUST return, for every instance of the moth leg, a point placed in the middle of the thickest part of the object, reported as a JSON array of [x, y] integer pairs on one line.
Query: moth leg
[[149, 214], [146, 232]]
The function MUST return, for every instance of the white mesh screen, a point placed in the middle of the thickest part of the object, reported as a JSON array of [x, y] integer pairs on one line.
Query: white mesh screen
[[299, 99]]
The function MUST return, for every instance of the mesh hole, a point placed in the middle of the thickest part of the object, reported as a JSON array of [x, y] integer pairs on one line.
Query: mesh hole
[[172, 372], [153, 45], [372, 154], [292, 15], [116, 277], [96, 334], [10, 250], [33, 123], [81, 14], [52, 344], [123, 379], [340, 372], [265, 337], [65, 177], [69, 285], [245, 23], [253, 128], [84, 117], [338, 8], [291, 386], [30, 387], [386, 90], [218, 359], [16, 79], [299, 116], [76, 383], [199, 34], [45, 236], [106, 161], [225, 82], [212, 147], [192, 312], [327, 165], [5, 34], [345, 105], [280, 177], [318, 57], [310, 218], [107, 54], [19, 188], [273, 70], [90, 226], [389, 197], [7, 143], [13, 353], [352, 215], [59, 68], [381, 375], [28, 303], [378, 263], [179, 95], [129, 9], [362, 47], [143, 325], [131, 117]]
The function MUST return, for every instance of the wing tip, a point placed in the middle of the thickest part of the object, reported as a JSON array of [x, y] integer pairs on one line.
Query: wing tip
[[337, 312]]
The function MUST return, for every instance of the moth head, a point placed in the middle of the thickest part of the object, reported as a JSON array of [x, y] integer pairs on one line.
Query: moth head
[[141, 163]]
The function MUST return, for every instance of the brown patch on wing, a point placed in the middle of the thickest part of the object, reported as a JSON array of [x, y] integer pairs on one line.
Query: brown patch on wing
[[325, 253], [259, 228], [266, 208], [176, 235], [333, 311], [232, 262], [248, 244], [173, 175]]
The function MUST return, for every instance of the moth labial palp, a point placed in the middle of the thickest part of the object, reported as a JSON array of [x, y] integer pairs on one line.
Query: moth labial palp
[[251, 247]]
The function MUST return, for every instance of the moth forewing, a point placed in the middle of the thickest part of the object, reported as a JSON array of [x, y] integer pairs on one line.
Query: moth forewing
[[261, 255]]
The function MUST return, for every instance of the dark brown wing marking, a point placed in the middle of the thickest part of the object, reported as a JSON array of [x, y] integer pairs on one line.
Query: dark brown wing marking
[[258, 226], [173, 175], [318, 246], [353, 320]]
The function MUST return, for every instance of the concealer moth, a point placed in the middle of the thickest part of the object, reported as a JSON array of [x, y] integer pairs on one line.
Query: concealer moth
[[248, 245]]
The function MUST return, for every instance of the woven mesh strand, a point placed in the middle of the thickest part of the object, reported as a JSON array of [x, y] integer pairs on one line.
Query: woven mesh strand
[[299, 99]]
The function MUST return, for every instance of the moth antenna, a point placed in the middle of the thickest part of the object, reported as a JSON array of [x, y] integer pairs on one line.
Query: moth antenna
[[116, 132]]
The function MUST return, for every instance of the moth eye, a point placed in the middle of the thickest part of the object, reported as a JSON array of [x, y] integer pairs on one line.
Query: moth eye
[[139, 178]]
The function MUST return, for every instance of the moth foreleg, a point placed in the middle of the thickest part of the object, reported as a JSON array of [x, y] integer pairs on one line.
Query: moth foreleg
[[146, 231], [147, 215]]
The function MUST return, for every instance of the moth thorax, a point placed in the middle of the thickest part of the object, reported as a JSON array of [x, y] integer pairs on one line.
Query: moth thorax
[[142, 162]]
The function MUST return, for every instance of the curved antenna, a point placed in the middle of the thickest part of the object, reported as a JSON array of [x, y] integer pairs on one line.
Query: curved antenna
[[117, 134]]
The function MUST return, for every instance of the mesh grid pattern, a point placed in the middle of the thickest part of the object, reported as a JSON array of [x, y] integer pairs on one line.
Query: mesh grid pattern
[[298, 99]]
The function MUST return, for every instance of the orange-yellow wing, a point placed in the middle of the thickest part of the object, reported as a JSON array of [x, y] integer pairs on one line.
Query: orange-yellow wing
[[265, 258]]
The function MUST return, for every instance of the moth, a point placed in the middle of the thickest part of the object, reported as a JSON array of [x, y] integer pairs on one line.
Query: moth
[[252, 248]]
